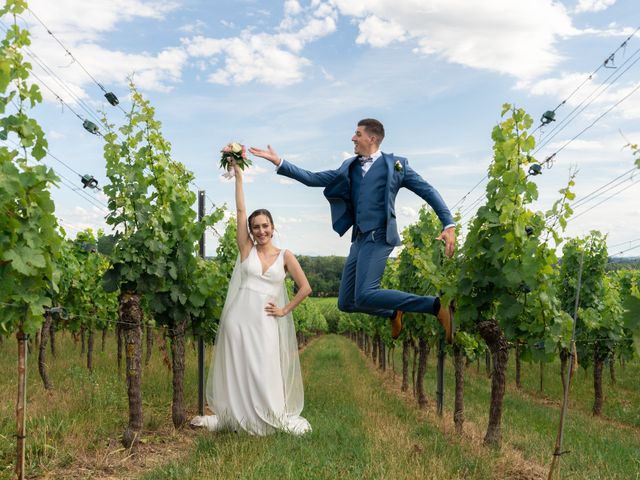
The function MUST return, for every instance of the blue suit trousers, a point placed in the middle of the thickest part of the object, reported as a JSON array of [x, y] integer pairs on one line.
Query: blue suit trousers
[[360, 284]]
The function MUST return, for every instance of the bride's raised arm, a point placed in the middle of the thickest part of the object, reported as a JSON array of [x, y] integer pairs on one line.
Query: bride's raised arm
[[242, 230]]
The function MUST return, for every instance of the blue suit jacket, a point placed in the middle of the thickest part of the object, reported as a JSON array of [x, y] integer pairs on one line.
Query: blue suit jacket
[[337, 190]]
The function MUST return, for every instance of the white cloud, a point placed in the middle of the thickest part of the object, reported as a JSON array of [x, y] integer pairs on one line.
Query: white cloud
[[331, 78], [80, 218], [594, 96], [82, 32], [150, 72], [55, 135], [196, 27], [593, 5], [604, 150], [559, 86], [261, 12], [286, 220], [516, 38], [91, 19], [258, 57], [356, 8], [584, 146], [612, 30], [292, 7], [271, 58], [408, 212], [378, 32], [327, 75]]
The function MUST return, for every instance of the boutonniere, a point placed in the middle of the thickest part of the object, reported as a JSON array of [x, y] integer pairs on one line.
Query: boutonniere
[[397, 166]]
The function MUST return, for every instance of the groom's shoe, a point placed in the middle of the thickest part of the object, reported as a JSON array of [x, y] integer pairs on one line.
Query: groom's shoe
[[445, 317], [396, 323]]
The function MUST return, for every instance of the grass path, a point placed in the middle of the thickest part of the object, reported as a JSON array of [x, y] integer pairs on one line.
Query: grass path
[[360, 430]]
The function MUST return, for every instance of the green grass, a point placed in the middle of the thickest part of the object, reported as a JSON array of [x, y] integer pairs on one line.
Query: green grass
[[607, 448], [362, 428], [326, 301], [85, 413]]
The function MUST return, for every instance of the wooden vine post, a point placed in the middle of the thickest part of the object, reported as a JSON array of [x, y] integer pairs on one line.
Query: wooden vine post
[[21, 404], [557, 452], [201, 252]]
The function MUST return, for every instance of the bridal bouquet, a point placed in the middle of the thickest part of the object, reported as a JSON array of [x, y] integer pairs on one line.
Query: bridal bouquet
[[233, 151]]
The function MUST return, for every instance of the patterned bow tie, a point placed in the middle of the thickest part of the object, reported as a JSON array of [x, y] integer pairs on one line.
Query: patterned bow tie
[[364, 160]]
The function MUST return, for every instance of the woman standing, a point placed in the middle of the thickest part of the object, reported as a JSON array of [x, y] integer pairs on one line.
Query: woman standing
[[254, 382]]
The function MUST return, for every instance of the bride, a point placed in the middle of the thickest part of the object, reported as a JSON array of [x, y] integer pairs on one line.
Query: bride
[[254, 381]]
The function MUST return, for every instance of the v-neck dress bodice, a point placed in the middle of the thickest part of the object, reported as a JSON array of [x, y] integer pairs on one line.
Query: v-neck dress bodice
[[267, 283]]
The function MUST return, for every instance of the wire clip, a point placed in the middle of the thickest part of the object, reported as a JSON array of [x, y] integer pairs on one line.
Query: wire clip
[[535, 169], [111, 98], [89, 181], [90, 127], [548, 117]]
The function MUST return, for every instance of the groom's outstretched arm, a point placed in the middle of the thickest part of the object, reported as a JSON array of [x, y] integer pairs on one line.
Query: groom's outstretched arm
[[288, 169], [414, 182]]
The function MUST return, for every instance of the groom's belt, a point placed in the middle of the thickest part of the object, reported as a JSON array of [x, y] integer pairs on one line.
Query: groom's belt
[[372, 233]]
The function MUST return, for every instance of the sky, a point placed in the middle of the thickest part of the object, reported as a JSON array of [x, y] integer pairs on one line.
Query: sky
[[298, 75]]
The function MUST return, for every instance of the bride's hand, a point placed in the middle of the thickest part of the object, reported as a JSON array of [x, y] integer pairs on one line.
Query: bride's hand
[[236, 169], [274, 311], [269, 154]]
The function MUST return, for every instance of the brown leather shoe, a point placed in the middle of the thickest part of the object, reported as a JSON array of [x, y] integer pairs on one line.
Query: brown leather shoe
[[445, 317], [396, 323]]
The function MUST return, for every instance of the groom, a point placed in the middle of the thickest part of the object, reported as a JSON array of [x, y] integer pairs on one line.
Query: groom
[[362, 195]]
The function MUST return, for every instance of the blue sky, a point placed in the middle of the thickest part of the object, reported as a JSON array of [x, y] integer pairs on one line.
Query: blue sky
[[300, 74]]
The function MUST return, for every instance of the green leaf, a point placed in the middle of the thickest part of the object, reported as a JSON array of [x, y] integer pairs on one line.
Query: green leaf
[[106, 244], [111, 280], [18, 263]]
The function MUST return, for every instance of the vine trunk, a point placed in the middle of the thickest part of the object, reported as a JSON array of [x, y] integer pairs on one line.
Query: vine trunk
[[492, 334], [131, 328]]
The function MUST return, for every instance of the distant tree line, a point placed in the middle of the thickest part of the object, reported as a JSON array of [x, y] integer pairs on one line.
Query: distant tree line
[[324, 274], [618, 263]]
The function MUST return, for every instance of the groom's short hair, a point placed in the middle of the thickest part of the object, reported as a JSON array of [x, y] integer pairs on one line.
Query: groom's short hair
[[373, 127]]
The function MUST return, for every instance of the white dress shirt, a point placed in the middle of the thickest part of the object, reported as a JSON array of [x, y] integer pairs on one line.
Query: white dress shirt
[[374, 156]]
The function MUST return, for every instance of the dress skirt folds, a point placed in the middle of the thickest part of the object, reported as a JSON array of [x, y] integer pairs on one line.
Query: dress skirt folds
[[254, 381]]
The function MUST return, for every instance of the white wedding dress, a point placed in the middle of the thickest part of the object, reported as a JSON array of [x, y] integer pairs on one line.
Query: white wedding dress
[[254, 381]]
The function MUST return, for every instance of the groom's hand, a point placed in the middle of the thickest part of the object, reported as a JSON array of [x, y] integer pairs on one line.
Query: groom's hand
[[448, 236], [268, 154]]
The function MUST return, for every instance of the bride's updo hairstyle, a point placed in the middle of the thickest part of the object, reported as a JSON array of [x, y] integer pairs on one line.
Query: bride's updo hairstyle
[[261, 211]]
